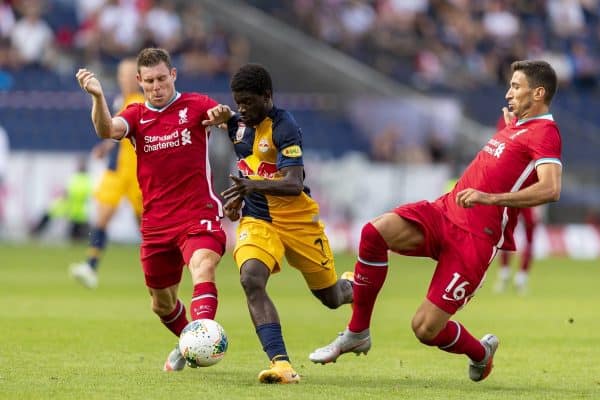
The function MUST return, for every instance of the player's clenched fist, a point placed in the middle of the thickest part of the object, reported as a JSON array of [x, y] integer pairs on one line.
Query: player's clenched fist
[[88, 81], [218, 115], [467, 198]]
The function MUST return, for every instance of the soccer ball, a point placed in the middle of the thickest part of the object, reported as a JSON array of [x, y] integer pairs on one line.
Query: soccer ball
[[203, 343]]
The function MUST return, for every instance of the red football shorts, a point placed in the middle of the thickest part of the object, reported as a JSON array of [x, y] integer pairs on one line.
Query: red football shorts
[[462, 257], [164, 252]]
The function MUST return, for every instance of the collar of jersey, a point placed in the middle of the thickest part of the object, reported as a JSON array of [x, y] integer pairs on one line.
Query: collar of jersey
[[547, 116], [151, 107]]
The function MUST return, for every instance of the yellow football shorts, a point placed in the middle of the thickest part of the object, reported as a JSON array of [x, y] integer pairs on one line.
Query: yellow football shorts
[[114, 185], [303, 244]]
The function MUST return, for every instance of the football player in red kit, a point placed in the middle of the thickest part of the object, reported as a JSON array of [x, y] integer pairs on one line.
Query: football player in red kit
[[520, 166], [181, 212]]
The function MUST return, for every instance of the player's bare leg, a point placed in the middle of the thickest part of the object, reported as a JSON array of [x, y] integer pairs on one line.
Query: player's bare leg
[[254, 276], [338, 294]]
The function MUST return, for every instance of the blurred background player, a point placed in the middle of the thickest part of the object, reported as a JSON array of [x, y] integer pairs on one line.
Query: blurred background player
[[118, 181], [73, 205], [278, 217], [528, 217]]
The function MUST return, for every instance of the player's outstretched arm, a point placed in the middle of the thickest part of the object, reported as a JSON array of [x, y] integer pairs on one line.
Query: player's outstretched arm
[[106, 127], [289, 184]]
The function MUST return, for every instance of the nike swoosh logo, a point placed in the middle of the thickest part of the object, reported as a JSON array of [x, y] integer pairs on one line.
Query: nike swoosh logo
[[514, 135], [445, 297], [145, 121]]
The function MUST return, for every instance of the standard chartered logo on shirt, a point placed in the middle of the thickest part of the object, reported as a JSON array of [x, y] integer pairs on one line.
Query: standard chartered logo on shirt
[[494, 148], [173, 139]]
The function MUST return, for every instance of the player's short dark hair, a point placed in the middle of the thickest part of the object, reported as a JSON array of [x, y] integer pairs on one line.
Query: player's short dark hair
[[538, 73], [152, 56], [253, 78]]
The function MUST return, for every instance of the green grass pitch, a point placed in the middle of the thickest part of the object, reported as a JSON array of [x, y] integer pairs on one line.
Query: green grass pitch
[[61, 341]]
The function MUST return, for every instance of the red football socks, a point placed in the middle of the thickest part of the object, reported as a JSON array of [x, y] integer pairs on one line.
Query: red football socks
[[176, 320], [204, 301], [454, 338], [369, 275]]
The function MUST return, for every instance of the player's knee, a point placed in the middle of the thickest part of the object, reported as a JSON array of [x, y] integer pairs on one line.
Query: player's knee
[[372, 245], [424, 332], [252, 284]]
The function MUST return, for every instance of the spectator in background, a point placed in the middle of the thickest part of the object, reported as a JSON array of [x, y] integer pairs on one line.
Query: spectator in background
[[163, 26], [7, 19], [585, 66], [119, 30], [566, 17], [72, 205], [208, 49], [32, 37]]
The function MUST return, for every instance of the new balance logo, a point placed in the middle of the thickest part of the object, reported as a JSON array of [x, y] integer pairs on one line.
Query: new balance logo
[[145, 121]]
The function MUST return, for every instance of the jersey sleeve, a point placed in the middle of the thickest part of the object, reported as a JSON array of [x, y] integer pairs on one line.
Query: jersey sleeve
[[287, 137], [130, 116], [233, 127], [546, 147], [206, 103]]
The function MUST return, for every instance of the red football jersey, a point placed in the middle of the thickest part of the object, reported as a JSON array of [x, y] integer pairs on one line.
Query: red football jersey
[[173, 169], [505, 164]]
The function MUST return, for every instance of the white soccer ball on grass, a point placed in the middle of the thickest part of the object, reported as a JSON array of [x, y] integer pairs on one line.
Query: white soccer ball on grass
[[203, 343]]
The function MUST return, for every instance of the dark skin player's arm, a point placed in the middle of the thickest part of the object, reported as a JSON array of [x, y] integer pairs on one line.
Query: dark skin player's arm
[[290, 184]]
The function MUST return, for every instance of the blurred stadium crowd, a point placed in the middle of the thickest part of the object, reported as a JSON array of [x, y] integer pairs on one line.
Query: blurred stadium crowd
[[456, 50], [455, 43], [58, 35]]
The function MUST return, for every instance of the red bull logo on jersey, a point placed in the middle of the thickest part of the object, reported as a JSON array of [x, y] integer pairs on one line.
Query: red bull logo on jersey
[[494, 148], [263, 145], [264, 170], [239, 134]]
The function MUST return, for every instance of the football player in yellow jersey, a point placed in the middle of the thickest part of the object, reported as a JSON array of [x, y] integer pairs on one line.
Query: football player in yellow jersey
[[118, 181], [279, 218]]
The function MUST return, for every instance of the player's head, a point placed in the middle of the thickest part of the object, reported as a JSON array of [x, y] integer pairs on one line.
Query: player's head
[[532, 86], [126, 76], [252, 92], [156, 76]]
